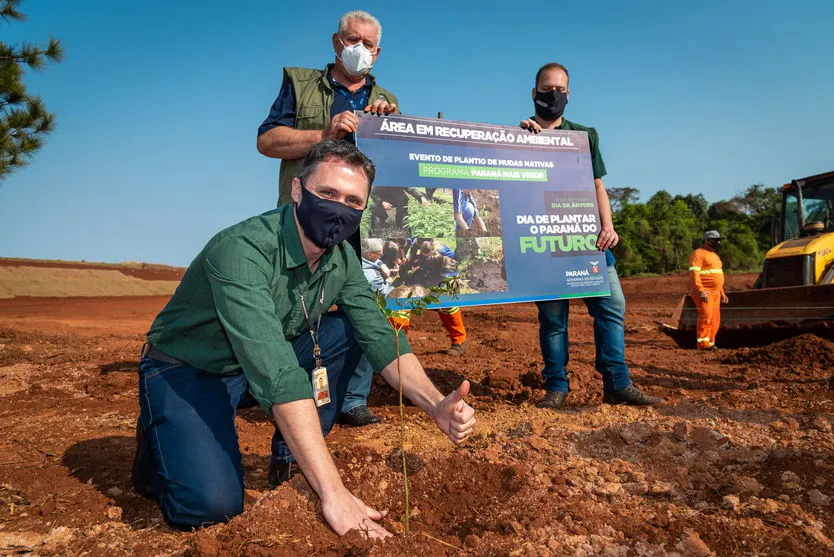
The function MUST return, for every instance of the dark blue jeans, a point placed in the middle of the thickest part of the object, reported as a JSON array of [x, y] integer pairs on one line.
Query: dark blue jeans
[[359, 386], [189, 457], [609, 337]]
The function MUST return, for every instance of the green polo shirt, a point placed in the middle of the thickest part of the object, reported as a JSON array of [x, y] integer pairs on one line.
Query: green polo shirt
[[238, 307], [593, 139]]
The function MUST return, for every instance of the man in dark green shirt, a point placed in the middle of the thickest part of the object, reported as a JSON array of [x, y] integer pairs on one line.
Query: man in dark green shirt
[[314, 105], [550, 96], [247, 320]]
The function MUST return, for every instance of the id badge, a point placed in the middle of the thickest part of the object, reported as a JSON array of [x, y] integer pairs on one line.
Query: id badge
[[321, 389]]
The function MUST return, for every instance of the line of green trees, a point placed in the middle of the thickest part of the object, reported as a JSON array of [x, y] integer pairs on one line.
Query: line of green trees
[[656, 237]]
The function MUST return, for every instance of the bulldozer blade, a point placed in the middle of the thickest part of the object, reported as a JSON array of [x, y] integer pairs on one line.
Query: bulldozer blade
[[763, 316], [684, 338]]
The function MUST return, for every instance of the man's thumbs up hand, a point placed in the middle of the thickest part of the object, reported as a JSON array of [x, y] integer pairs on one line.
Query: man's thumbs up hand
[[454, 417]]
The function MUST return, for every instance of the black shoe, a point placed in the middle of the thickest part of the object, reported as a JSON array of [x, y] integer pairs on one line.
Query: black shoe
[[280, 472], [358, 417], [140, 483], [553, 400], [632, 396]]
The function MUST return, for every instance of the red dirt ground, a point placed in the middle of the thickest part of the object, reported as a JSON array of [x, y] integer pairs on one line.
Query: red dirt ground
[[738, 463]]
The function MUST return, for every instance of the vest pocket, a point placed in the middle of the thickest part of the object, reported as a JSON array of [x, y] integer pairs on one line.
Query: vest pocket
[[308, 113]]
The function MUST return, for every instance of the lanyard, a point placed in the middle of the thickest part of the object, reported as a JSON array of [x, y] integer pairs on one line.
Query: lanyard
[[314, 331], [349, 96]]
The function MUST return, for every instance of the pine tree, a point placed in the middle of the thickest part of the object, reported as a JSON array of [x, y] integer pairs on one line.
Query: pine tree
[[24, 120]]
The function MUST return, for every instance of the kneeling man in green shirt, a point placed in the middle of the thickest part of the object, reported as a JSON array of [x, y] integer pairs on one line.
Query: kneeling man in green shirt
[[249, 324]]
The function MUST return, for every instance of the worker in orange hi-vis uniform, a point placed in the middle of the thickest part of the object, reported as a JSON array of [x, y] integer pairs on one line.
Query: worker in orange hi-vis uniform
[[706, 278]]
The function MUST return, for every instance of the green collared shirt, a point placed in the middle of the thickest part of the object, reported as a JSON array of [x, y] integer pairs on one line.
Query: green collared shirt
[[593, 138], [238, 307]]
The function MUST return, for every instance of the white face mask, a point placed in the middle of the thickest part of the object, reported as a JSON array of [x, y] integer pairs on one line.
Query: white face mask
[[356, 58]]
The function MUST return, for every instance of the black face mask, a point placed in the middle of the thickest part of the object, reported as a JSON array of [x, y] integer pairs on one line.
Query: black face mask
[[714, 244], [551, 105], [326, 222]]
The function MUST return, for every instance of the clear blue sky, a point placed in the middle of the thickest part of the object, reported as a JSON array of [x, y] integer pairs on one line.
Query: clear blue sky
[[158, 102]]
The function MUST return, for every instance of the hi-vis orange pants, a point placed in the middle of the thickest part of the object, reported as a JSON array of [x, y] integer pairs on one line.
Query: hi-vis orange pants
[[451, 319], [709, 317]]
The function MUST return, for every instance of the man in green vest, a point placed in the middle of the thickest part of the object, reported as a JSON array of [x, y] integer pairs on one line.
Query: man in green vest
[[314, 105]]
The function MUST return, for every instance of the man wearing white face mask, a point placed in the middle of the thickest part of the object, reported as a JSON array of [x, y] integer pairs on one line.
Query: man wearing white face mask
[[314, 104]]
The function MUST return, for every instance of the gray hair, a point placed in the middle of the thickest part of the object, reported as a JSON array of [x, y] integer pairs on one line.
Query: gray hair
[[371, 245], [362, 16]]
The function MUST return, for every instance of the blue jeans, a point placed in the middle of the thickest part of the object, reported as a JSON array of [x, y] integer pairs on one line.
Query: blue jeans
[[609, 337], [189, 457], [359, 386]]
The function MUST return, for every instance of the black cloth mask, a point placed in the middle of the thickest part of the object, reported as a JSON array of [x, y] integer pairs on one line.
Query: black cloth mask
[[550, 105], [326, 222]]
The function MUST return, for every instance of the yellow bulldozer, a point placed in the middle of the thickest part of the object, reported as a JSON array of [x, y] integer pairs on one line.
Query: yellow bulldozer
[[794, 293]]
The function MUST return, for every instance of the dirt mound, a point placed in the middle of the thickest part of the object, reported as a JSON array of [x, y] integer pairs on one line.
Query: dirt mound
[[59, 282], [146, 271], [445, 511], [802, 351], [43, 278]]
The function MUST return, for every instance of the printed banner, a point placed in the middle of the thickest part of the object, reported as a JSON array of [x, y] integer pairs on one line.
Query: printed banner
[[513, 214]]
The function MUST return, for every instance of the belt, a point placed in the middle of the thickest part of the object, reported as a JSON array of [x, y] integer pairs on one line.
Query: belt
[[148, 351]]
